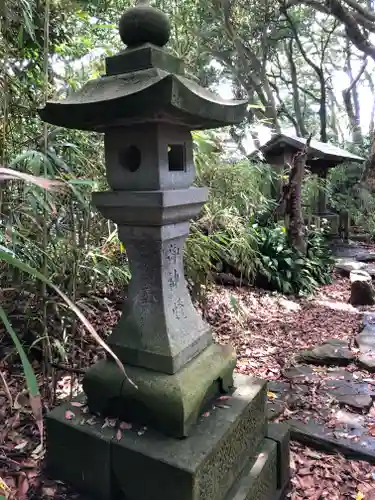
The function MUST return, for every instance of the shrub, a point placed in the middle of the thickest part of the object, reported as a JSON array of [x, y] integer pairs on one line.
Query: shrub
[[280, 268]]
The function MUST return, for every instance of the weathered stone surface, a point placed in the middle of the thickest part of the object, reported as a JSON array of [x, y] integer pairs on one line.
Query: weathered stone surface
[[144, 24], [349, 387], [281, 435], [349, 419], [167, 191], [80, 453], [259, 480], [366, 339], [102, 463], [286, 395], [361, 289], [159, 328], [366, 257], [346, 266], [203, 466], [338, 374], [278, 386], [274, 409], [350, 257], [131, 96], [145, 57], [366, 343], [368, 318], [317, 436], [367, 361], [333, 352], [301, 373], [345, 250], [170, 403], [352, 251], [356, 401]]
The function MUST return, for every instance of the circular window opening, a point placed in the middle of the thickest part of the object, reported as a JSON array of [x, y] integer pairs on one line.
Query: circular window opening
[[130, 158]]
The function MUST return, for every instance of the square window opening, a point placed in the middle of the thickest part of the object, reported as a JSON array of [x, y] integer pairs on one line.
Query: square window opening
[[176, 158]]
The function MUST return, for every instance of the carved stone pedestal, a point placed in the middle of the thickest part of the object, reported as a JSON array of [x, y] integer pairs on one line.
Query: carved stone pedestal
[[231, 454]]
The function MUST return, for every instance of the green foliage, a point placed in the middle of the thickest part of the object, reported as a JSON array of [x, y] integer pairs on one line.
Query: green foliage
[[237, 193], [347, 191], [226, 235], [282, 269], [31, 381]]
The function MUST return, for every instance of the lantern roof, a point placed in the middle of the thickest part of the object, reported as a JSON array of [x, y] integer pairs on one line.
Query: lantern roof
[[143, 83]]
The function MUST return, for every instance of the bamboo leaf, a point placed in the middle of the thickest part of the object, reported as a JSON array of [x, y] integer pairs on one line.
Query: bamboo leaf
[[22, 266], [31, 381]]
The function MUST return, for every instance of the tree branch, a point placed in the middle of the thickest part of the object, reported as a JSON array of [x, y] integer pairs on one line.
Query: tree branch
[[366, 13], [352, 29]]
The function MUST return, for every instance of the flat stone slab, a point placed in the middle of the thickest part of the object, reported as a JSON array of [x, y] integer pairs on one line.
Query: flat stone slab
[[332, 352], [301, 373], [356, 401], [352, 251], [366, 257], [346, 251], [360, 447], [366, 343], [340, 388]]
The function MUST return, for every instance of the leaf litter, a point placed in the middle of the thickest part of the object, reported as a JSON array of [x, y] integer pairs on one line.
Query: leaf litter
[[267, 331], [268, 334]]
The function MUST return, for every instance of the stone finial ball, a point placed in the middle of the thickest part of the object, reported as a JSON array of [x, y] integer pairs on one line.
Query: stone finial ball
[[144, 24]]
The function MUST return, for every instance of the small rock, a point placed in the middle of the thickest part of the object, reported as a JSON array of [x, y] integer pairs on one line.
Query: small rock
[[289, 305], [366, 339], [367, 361], [369, 318], [361, 290], [328, 354], [346, 266], [350, 419], [356, 401]]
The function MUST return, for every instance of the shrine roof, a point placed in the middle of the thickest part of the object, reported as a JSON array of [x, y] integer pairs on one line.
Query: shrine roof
[[317, 149]]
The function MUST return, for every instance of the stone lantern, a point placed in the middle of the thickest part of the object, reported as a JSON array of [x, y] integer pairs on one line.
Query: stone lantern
[[160, 447]]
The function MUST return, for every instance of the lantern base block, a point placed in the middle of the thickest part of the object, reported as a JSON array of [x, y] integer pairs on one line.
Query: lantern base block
[[230, 455], [169, 403]]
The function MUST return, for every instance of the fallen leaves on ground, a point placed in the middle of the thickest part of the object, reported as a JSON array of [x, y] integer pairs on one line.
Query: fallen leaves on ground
[[318, 475], [267, 331]]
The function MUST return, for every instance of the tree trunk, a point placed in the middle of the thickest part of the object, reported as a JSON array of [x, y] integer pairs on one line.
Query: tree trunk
[[296, 97], [323, 107], [351, 100], [372, 88], [293, 210]]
